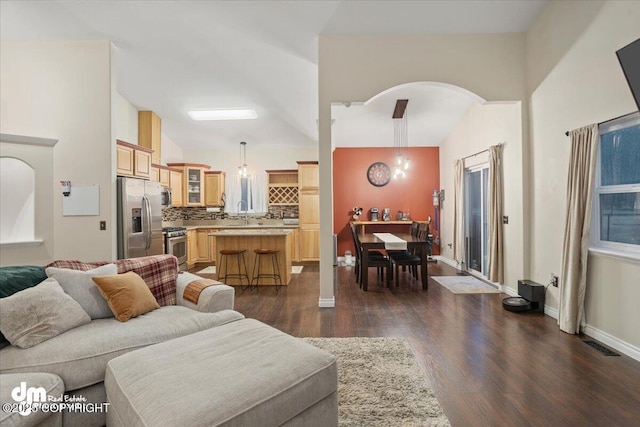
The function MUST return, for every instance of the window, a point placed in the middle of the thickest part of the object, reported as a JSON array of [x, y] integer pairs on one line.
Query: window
[[616, 225], [246, 194]]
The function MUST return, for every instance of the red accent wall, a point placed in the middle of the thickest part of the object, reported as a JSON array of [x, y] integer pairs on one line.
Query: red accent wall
[[351, 188]]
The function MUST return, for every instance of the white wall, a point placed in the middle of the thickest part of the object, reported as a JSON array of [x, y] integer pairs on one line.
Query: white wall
[[259, 157], [481, 127], [63, 90], [126, 120], [126, 125], [585, 86], [41, 160], [171, 152], [355, 68]]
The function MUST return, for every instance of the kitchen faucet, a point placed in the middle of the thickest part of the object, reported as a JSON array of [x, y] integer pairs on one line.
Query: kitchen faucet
[[246, 211]]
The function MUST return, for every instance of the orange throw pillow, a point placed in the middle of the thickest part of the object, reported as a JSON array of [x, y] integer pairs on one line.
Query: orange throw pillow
[[127, 294]]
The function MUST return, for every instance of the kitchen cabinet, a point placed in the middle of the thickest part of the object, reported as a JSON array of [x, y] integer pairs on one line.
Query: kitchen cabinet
[[282, 187], [155, 173], [132, 160], [165, 177], [212, 246], [192, 248], [192, 182], [175, 182], [309, 243], [202, 239], [309, 211], [161, 174], [295, 245], [308, 176], [214, 182], [149, 133]]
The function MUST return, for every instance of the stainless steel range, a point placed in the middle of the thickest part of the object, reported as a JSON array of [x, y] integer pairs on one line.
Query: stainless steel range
[[175, 244]]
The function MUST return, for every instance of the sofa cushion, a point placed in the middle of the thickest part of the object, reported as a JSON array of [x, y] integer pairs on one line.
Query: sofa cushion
[[80, 287], [17, 278], [127, 295], [36, 314], [158, 271], [241, 374], [80, 355], [53, 387]]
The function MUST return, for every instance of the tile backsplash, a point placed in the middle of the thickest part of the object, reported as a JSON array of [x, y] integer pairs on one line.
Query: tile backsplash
[[200, 213]]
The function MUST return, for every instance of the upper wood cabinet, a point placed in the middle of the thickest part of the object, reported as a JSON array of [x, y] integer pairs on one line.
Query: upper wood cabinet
[[175, 182], [282, 187], [149, 133], [308, 177], [133, 160], [214, 182], [161, 174], [193, 187]]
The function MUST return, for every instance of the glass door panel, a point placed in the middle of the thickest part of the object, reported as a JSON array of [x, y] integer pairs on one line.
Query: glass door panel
[[476, 182]]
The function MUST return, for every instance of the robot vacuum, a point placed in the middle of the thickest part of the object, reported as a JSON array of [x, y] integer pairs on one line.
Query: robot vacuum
[[516, 304]]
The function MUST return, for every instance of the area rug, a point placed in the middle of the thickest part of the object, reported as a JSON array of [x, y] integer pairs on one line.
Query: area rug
[[295, 269], [209, 270], [380, 384], [465, 285]]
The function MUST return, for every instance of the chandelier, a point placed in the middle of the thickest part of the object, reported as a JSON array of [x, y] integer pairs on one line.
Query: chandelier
[[242, 169], [401, 139]]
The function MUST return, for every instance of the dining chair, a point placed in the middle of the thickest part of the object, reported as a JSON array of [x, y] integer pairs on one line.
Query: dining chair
[[375, 259], [409, 258]]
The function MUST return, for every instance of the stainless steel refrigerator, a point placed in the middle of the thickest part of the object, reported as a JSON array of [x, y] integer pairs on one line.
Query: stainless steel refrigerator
[[139, 218]]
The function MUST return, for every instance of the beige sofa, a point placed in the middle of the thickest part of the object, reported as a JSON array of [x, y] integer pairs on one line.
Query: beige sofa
[[80, 356], [182, 364]]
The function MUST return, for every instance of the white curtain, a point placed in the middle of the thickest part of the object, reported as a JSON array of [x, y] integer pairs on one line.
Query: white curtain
[[458, 213], [256, 193], [233, 193], [580, 186], [259, 192], [495, 271]]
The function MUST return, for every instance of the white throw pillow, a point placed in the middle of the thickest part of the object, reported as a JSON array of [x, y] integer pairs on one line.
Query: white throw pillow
[[37, 314], [81, 287]]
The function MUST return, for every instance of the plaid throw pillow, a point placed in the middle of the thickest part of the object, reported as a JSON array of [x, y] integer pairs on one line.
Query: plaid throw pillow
[[159, 272]]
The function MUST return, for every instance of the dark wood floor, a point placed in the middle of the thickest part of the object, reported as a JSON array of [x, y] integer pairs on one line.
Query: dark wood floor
[[487, 366]]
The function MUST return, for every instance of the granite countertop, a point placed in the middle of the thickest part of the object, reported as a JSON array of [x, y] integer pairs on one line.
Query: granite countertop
[[239, 231], [242, 226]]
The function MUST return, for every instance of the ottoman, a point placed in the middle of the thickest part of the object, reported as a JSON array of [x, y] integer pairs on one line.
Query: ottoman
[[244, 373]]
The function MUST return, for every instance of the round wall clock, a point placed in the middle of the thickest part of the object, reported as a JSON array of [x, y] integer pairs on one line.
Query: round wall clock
[[379, 174]]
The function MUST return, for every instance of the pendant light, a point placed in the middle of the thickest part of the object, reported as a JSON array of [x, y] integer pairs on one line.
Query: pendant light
[[242, 169], [401, 138]]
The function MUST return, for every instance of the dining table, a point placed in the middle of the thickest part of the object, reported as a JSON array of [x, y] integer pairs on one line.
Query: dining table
[[369, 241]]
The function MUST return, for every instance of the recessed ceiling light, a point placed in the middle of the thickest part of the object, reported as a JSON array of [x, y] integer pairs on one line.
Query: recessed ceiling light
[[223, 114]]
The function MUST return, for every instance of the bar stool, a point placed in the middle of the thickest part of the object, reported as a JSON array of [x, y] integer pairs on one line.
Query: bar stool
[[224, 259], [273, 253]]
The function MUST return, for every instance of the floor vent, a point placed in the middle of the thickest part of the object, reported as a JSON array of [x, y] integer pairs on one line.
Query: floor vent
[[602, 349]]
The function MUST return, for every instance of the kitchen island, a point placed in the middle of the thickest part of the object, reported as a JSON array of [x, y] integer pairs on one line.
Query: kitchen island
[[250, 239]]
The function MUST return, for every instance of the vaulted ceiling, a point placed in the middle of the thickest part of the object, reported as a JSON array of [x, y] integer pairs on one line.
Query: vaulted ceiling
[[174, 56]]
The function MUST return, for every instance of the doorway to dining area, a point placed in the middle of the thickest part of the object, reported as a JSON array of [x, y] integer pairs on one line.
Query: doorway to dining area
[[476, 224]]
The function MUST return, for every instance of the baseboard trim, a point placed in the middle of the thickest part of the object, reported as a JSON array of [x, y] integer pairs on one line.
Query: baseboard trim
[[327, 302], [595, 333], [447, 261], [509, 291], [613, 342], [551, 311]]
